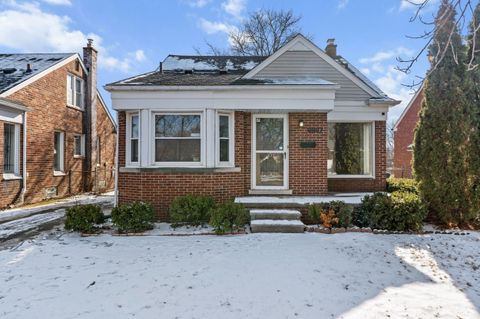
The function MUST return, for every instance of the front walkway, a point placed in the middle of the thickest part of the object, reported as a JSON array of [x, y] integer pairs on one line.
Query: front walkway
[[18, 221]]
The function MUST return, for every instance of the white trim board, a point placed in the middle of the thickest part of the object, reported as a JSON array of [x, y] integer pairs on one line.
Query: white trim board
[[38, 76], [293, 45]]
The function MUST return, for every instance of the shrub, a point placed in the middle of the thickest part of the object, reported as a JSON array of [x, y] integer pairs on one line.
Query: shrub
[[335, 213], [401, 185], [133, 217], [191, 210], [83, 218], [229, 217], [400, 211]]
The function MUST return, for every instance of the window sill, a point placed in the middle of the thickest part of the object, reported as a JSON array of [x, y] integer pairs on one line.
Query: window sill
[[57, 173], [350, 177], [180, 169], [79, 156], [75, 108], [11, 177]]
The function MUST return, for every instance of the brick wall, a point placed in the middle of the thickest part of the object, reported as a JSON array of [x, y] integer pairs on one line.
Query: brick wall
[[363, 184], [160, 187], [47, 100], [403, 137], [308, 166], [108, 140]]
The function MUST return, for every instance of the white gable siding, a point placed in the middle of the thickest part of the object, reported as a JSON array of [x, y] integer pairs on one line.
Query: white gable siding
[[298, 64]]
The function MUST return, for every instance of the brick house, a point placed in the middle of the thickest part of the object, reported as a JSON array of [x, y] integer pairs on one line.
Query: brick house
[[302, 121], [403, 136], [57, 137]]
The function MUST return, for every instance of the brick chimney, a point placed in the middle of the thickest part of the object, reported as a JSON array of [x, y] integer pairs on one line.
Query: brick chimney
[[331, 48], [90, 61]]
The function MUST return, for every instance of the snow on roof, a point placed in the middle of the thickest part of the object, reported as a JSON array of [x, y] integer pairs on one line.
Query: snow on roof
[[210, 63], [13, 67]]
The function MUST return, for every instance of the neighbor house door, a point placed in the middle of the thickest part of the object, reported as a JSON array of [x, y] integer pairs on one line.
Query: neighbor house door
[[270, 151]]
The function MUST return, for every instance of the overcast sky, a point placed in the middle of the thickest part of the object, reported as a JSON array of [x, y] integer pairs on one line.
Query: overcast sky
[[134, 36]]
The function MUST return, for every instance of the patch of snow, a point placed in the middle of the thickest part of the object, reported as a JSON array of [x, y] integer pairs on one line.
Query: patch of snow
[[279, 222], [350, 198], [249, 65], [350, 275], [166, 229], [276, 212], [9, 229]]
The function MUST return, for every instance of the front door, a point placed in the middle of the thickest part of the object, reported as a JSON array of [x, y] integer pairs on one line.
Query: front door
[[270, 151]]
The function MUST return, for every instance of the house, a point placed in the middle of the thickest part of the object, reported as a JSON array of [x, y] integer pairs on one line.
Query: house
[[302, 121], [57, 137], [403, 137]]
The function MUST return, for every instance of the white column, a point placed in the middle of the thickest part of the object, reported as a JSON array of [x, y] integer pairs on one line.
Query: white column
[[146, 139], [210, 127]]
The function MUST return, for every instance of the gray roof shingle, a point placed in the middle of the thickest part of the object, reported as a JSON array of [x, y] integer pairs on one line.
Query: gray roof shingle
[[13, 67]]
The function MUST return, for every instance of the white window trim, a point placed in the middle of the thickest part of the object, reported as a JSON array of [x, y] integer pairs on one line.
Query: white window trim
[[82, 146], [372, 154], [203, 125], [231, 139], [129, 138], [16, 150], [60, 172], [70, 97]]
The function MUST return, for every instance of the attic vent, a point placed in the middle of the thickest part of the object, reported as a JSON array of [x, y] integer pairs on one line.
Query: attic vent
[[9, 71], [223, 71], [188, 71]]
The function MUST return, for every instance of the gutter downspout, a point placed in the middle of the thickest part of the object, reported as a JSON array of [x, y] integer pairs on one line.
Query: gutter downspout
[[116, 165], [24, 159]]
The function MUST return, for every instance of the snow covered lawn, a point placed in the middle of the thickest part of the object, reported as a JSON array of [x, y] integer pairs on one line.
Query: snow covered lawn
[[352, 275]]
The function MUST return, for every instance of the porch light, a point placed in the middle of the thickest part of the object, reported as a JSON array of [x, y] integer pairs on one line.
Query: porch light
[[300, 123]]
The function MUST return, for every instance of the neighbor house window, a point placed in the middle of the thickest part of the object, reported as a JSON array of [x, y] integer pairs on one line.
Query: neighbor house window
[[75, 91], [225, 148], [58, 165], [133, 139], [177, 138], [350, 148], [79, 145], [11, 149]]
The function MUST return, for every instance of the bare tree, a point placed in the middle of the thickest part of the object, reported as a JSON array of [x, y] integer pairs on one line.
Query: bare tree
[[464, 9], [264, 32]]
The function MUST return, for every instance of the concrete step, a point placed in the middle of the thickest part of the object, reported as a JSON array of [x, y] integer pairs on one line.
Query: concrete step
[[276, 214], [277, 226]]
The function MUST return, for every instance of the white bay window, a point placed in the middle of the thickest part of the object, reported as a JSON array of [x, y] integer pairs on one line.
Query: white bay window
[[133, 139], [11, 150], [224, 140], [350, 150]]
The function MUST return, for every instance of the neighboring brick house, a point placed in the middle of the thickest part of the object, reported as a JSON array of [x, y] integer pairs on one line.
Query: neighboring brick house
[[403, 136], [70, 140], [302, 121]]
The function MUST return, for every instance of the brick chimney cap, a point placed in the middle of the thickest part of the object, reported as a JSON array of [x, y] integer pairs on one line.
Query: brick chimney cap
[[331, 41], [89, 42]]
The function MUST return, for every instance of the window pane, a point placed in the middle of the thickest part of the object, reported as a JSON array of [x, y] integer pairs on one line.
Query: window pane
[[134, 151], [135, 126], [181, 150], [9, 149], [349, 148], [78, 92], [269, 134], [57, 160], [77, 145], [223, 125], [224, 150], [269, 169], [177, 126]]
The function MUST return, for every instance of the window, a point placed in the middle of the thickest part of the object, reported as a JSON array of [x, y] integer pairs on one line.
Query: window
[[75, 91], [79, 146], [177, 138], [225, 148], [133, 137], [11, 149], [58, 152], [350, 149]]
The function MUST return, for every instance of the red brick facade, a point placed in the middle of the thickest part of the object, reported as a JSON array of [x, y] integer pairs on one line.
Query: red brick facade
[[46, 97], [307, 167], [403, 137]]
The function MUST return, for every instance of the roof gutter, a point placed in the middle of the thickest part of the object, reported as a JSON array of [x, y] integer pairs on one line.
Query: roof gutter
[[389, 102], [113, 88]]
